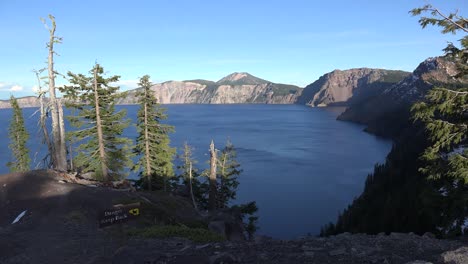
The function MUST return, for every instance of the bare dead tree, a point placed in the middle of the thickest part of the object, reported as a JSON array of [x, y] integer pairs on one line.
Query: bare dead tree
[[58, 151], [213, 187]]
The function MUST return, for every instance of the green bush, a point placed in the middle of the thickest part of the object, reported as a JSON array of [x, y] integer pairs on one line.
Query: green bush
[[195, 234]]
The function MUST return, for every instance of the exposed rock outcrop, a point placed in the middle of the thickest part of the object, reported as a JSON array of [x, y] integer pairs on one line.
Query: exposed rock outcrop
[[349, 86], [60, 227], [236, 88], [385, 113], [344, 248], [28, 101]]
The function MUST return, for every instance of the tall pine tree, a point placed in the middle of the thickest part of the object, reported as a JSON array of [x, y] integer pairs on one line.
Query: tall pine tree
[[18, 136], [445, 116], [228, 171], [103, 150], [153, 138]]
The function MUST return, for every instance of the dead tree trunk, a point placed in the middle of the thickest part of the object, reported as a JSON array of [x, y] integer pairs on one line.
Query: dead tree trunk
[[102, 153], [213, 187], [42, 120], [63, 142], [59, 154]]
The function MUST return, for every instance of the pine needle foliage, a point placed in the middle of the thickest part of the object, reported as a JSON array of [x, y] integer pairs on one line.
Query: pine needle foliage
[[228, 172], [152, 143], [445, 110], [422, 186], [187, 167], [99, 126], [444, 113], [18, 138]]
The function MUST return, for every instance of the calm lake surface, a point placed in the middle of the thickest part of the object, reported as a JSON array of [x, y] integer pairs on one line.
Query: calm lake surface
[[300, 164]]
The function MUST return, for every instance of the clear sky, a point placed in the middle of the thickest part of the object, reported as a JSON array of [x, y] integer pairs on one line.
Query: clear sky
[[289, 41]]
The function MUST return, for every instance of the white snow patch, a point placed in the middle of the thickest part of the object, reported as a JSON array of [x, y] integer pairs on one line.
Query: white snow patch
[[464, 226], [443, 191], [19, 217], [465, 223]]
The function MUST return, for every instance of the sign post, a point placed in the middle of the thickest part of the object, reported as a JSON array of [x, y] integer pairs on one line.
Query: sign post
[[118, 214]]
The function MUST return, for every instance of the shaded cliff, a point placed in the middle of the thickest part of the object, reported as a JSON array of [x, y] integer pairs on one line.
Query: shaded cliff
[[236, 88], [388, 112], [349, 87], [397, 196]]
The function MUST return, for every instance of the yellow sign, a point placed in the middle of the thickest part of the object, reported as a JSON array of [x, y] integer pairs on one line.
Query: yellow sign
[[134, 211]]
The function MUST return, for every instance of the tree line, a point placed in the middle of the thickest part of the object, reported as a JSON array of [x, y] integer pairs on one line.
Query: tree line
[[97, 146], [423, 185]]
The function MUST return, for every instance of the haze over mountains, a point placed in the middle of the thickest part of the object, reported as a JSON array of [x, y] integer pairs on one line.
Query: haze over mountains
[[373, 96], [337, 87]]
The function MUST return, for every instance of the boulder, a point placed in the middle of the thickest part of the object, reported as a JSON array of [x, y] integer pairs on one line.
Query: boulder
[[233, 224], [218, 227]]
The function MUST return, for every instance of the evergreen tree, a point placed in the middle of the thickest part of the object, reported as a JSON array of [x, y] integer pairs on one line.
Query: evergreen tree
[[248, 211], [153, 137], [228, 171], [191, 178], [445, 116], [398, 197], [99, 126], [18, 136]]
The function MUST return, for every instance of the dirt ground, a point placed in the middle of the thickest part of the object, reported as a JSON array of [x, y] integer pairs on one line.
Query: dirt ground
[[60, 226]]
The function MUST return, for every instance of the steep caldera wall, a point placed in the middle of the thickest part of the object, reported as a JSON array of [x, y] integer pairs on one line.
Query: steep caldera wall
[[236, 88], [386, 113], [349, 87], [23, 102]]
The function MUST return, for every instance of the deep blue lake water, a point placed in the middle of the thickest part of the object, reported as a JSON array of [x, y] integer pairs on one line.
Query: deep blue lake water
[[300, 164]]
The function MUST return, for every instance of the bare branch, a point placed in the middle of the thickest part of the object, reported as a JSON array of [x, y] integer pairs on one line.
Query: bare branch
[[434, 11]]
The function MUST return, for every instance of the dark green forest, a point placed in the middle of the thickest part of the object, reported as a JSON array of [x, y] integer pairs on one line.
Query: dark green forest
[[423, 185]]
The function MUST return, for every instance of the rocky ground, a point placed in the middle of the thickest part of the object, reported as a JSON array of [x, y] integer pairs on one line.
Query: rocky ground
[[60, 227], [84, 247], [345, 248], [395, 248]]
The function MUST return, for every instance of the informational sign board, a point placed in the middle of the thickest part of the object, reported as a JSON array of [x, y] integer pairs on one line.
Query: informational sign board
[[118, 214]]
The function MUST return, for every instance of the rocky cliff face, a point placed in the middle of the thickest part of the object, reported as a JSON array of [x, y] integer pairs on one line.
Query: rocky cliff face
[[237, 88], [429, 73], [29, 101], [390, 109], [349, 87]]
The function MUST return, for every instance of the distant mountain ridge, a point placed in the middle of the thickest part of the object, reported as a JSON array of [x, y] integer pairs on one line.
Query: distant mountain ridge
[[26, 101], [339, 87], [235, 88]]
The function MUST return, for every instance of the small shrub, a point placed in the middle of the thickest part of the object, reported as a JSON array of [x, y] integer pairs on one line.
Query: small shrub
[[195, 234]]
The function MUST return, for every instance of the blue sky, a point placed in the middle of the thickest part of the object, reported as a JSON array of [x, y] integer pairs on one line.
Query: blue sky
[[290, 41]]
